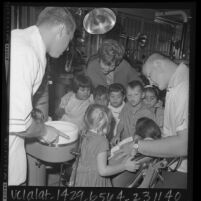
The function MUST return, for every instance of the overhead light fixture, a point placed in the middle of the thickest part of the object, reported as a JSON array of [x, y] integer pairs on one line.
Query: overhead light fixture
[[99, 21]]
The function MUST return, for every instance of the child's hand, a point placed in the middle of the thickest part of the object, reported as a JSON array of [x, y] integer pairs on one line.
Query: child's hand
[[59, 113], [131, 165], [115, 140], [133, 153]]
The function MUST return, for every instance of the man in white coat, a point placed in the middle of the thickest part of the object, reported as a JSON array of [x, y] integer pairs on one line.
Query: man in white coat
[[54, 30]]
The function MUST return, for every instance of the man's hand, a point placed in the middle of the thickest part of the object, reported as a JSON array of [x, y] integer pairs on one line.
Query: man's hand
[[51, 134]]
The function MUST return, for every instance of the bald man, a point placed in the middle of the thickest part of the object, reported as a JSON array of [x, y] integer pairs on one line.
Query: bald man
[[165, 74]]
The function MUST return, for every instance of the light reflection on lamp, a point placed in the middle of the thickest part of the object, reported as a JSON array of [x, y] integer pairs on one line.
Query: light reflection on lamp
[[99, 21]]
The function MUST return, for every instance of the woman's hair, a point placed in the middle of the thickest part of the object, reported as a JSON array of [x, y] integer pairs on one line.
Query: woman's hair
[[81, 80], [117, 87], [146, 127], [55, 16], [98, 117], [100, 90], [111, 52], [152, 89], [136, 83]]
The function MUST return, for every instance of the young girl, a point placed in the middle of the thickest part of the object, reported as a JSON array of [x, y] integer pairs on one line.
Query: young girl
[[74, 104], [93, 170], [146, 129], [151, 99], [100, 95]]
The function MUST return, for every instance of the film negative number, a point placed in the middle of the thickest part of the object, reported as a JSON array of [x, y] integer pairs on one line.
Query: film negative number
[[136, 197], [169, 196], [146, 196], [76, 195], [62, 194]]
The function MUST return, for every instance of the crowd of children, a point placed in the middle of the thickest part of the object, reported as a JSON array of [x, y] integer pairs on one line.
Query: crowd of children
[[146, 129], [109, 115]]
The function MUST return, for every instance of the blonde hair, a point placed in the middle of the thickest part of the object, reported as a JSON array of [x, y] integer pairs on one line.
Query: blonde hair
[[55, 16], [97, 117]]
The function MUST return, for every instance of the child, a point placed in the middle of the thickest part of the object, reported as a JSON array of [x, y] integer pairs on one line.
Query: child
[[74, 104], [151, 99], [100, 95], [146, 129], [93, 170], [116, 102], [132, 111]]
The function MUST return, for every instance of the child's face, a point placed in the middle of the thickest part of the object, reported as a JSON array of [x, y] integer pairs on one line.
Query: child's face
[[134, 95], [102, 100], [116, 99], [150, 99], [83, 93]]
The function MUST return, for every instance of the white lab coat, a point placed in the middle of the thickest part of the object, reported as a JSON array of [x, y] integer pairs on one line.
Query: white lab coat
[[27, 67]]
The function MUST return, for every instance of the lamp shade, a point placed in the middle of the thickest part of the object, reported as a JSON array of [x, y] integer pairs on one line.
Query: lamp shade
[[99, 21]]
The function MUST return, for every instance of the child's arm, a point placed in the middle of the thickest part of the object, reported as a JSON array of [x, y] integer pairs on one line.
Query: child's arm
[[120, 128], [60, 112], [109, 170], [64, 101]]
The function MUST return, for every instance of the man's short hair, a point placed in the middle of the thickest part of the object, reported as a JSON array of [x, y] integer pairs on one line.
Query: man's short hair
[[55, 16], [155, 56], [111, 52]]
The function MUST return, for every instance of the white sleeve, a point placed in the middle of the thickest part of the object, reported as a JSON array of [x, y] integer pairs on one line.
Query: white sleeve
[[23, 71], [182, 108]]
